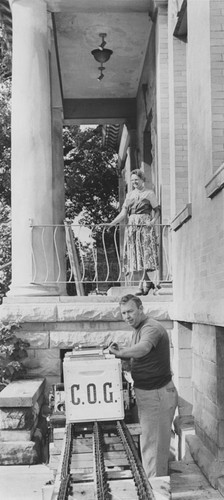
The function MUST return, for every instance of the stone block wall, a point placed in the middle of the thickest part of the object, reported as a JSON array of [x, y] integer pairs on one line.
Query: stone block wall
[[208, 387], [66, 321], [182, 365]]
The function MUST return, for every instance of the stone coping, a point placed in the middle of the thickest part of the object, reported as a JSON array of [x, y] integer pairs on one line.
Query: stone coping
[[207, 312], [215, 183], [90, 299], [82, 311], [21, 393], [182, 217]]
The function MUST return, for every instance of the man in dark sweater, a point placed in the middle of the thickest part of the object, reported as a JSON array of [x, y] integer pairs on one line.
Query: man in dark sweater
[[156, 395]]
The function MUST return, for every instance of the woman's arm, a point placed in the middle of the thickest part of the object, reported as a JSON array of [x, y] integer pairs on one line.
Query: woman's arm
[[156, 215], [121, 216]]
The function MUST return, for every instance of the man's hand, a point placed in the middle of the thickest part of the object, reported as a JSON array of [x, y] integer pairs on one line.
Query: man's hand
[[114, 349]]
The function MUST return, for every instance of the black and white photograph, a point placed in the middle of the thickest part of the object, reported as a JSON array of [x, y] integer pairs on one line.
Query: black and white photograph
[[111, 249]]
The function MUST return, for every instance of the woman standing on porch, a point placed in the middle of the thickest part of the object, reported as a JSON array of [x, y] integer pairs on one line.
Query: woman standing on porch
[[140, 245]]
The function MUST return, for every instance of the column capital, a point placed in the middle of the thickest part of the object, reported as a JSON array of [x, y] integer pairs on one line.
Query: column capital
[[161, 6], [12, 2], [157, 6], [161, 3]]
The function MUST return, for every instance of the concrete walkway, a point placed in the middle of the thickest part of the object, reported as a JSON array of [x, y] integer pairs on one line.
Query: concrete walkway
[[23, 482], [187, 483]]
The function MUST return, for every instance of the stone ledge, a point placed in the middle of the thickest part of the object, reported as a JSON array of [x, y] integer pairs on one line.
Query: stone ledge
[[108, 312], [215, 183], [89, 299], [28, 311], [81, 310], [182, 217], [21, 393], [208, 312], [212, 468], [164, 294]]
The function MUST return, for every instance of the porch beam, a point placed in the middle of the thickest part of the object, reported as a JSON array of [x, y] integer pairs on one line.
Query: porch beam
[[101, 110]]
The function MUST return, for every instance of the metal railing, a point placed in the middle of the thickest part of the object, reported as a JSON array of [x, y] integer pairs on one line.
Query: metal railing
[[94, 255], [4, 266]]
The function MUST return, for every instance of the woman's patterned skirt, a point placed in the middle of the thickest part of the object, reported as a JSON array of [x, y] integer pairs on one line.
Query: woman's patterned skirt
[[140, 245]]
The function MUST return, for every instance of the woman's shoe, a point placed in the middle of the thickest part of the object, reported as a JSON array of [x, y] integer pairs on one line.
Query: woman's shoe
[[140, 290], [156, 290], [149, 286]]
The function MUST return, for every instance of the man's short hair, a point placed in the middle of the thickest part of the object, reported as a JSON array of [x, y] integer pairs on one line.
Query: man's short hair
[[128, 297]]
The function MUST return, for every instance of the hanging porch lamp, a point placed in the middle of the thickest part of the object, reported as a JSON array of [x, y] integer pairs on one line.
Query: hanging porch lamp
[[102, 55]]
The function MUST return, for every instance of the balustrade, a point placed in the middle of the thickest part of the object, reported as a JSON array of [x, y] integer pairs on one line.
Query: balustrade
[[94, 256]]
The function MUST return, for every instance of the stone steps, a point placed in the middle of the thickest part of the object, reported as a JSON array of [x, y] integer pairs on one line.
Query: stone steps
[[20, 406]]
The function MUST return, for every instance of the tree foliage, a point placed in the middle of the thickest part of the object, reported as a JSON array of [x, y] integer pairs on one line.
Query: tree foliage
[[5, 117], [91, 189], [5, 248], [5, 160], [91, 178], [13, 350], [5, 140]]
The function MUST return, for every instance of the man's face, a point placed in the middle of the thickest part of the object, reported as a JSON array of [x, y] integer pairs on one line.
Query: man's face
[[131, 313]]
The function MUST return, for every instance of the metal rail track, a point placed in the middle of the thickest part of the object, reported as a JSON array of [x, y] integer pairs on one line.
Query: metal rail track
[[100, 474]]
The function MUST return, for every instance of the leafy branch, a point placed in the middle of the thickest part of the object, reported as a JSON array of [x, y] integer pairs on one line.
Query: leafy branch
[[12, 351]]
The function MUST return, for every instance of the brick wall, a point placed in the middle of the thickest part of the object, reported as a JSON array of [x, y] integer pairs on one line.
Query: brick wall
[[162, 89], [217, 81], [198, 245], [180, 117]]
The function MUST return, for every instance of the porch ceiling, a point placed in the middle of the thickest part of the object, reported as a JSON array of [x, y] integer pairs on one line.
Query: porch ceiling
[[77, 24]]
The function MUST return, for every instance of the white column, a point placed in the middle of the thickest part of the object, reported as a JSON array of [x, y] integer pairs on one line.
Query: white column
[[32, 178], [58, 164]]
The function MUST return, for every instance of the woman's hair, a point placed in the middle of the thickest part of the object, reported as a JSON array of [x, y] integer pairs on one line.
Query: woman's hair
[[139, 173]]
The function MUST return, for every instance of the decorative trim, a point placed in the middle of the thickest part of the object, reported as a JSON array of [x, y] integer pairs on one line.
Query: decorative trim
[[182, 217], [215, 183]]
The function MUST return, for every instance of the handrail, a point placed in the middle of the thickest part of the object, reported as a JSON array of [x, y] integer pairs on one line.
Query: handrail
[[96, 260]]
